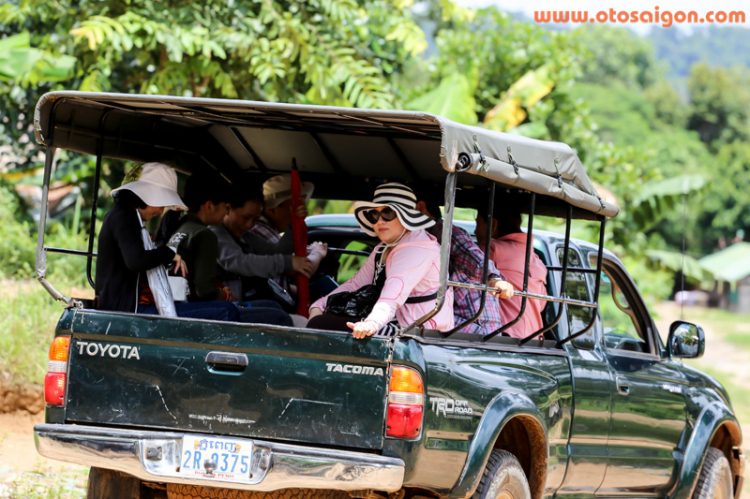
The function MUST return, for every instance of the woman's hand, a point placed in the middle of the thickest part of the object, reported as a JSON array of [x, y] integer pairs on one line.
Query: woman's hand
[[301, 210], [180, 267], [504, 289], [314, 312], [363, 329], [315, 254], [302, 265]]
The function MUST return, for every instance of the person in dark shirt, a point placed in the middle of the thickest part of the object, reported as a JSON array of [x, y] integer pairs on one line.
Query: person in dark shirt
[[122, 262], [206, 196]]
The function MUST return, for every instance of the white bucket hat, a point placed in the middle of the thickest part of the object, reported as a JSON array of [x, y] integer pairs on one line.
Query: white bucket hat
[[278, 189], [157, 186], [402, 200]]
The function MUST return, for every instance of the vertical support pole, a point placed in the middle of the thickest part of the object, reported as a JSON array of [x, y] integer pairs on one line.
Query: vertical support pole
[[450, 201], [41, 255], [94, 205], [597, 284], [562, 305], [486, 264], [527, 264]]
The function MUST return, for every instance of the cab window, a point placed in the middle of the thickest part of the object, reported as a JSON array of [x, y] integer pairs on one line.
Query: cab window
[[576, 287], [621, 329]]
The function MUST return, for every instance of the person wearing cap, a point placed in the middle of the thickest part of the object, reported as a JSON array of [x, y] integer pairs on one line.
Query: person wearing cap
[[467, 265], [277, 212], [277, 218], [122, 262], [405, 266]]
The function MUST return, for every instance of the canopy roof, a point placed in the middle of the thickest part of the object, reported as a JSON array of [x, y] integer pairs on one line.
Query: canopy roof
[[344, 151]]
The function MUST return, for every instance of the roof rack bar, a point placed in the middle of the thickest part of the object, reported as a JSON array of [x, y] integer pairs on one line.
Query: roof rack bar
[[573, 269], [594, 314], [485, 268], [566, 300], [64, 251], [327, 153], [563, 283], [242, 140], [403, 158], [527, 264], [450, 201]]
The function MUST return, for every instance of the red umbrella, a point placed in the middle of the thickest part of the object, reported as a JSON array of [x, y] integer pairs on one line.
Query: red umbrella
[[299, 233]]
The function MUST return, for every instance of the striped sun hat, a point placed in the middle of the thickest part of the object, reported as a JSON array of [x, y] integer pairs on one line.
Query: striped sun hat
[[402, 200]]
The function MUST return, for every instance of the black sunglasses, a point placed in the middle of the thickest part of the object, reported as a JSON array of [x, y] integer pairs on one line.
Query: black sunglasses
[[373, 216]]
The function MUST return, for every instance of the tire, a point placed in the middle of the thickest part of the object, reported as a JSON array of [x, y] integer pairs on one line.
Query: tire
[[715, 480], [178, 491], [503, 478], [108, 484]]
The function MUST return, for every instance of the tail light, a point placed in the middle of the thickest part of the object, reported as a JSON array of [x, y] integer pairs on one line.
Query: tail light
[[405, 403], [57, 366]]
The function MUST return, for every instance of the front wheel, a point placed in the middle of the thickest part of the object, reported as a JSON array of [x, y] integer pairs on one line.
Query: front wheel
[[715, 480], [503, 478]]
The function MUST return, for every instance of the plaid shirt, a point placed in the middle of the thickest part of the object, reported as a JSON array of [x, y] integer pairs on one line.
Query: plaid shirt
[[466, 264], [265, 230]]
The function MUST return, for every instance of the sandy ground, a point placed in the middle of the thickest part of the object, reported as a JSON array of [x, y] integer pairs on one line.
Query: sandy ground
[[20, 463]]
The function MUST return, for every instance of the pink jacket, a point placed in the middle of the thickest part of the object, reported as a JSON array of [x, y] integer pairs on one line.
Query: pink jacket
[[509, 255], [412, 269]]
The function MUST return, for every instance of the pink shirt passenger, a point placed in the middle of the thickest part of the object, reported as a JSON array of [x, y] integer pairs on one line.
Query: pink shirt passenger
[[412, 269], [509, 255]]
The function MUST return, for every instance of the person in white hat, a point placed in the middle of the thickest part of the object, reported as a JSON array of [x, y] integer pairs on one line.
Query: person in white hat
[[404, 269], [277, 218], [122, 260], [277, 212]]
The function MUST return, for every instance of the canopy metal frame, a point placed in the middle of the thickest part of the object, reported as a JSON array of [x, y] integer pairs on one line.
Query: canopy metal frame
[[473, 162], [563, 300]]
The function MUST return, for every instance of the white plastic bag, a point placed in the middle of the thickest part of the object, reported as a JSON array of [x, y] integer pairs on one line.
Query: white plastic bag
[[157, 279]]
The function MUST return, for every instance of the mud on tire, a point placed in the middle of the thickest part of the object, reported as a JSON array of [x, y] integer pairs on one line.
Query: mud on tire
[[715, 480], [177, 491], [503, 477]]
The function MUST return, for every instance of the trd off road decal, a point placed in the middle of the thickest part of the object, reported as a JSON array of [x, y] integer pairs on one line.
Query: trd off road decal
[[451, 408]]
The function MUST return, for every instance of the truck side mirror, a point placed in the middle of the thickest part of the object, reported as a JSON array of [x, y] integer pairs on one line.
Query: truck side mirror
[[686, 340]]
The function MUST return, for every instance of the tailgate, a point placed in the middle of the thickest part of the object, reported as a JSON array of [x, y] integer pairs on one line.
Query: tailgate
[[229, 379]]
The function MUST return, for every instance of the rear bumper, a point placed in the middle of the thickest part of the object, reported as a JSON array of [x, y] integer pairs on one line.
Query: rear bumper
[[154, 456]]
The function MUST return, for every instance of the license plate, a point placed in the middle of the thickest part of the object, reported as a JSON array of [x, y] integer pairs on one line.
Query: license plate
[[217, 458]]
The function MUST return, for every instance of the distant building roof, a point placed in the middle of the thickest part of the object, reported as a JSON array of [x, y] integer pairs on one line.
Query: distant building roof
[[731, 264]]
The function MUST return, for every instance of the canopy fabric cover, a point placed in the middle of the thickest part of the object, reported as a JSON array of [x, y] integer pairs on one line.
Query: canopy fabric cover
[[345, 152]]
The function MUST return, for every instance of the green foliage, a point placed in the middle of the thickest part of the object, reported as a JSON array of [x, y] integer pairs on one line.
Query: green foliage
[[18, 251], [618, 55], [452, 98], [720, 104]]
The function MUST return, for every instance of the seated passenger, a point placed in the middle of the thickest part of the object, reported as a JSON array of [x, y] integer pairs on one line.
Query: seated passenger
[[243, 255], [206, 196], [276, 218], [122, 262], [404, 270], [508, 252], [466, 265]]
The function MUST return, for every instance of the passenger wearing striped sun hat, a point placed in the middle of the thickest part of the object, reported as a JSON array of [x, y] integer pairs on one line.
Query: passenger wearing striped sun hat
[[405, 267]]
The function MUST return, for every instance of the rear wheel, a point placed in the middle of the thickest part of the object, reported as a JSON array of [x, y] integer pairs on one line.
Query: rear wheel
[[178, 491], [715, 480], [503, 478]]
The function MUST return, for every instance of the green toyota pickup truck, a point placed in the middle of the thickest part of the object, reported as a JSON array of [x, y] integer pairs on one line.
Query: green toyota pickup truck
[[593, 405]]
